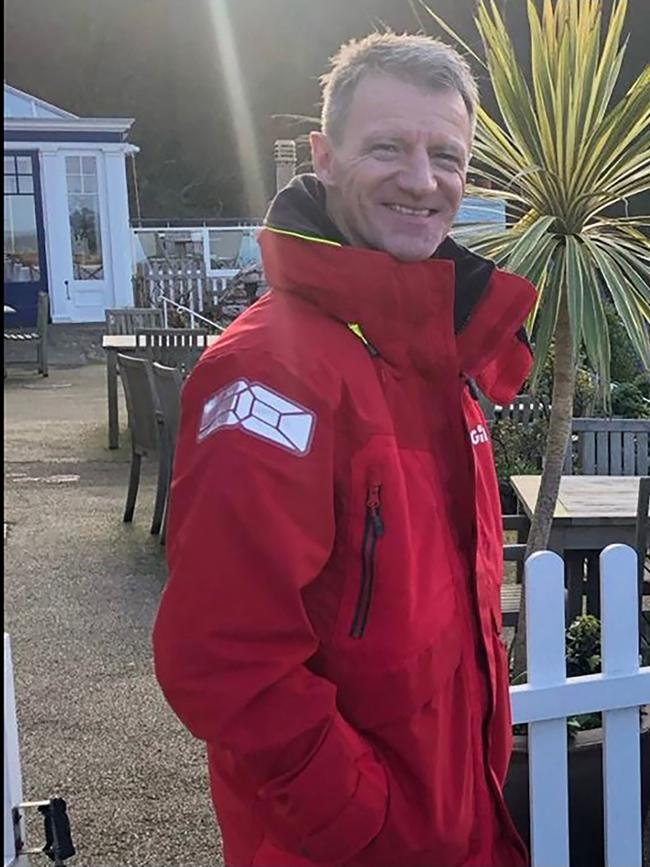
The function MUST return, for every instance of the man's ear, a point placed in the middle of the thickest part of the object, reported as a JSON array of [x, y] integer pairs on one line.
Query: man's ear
[[322, 157]]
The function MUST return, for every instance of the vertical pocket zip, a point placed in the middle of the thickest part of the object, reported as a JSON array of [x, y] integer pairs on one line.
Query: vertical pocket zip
[[373, 531]]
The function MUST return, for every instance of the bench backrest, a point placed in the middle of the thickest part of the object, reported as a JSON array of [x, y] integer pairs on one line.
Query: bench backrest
[[609, 447], [127, 320]]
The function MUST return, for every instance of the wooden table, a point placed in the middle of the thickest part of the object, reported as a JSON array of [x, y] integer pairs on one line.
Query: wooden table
[[591, 513], [115, 344]]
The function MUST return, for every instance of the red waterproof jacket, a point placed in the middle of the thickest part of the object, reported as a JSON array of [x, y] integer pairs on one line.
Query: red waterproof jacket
[[331, 624]]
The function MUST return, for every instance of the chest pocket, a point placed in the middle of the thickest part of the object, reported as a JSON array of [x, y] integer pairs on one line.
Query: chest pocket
[[400, 568], [373, 531]]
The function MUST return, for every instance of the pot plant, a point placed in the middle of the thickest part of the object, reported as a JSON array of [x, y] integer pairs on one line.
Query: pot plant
[[585, 745]]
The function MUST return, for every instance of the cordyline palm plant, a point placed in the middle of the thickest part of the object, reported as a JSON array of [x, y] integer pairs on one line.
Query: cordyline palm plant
[[566, 160]]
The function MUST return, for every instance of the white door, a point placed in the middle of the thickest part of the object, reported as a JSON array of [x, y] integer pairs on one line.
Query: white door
[[89, 285]]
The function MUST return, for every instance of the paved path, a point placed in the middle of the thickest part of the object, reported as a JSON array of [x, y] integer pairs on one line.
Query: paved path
[[81, 591]]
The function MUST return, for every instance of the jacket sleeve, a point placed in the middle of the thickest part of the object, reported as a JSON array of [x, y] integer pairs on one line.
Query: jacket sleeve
[[251, 524]]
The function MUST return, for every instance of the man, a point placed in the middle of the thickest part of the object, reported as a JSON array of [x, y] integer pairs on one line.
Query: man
[[331, 623]]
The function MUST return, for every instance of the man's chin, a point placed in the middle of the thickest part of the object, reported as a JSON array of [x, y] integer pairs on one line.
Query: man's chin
[[414, 252], [410, 249]]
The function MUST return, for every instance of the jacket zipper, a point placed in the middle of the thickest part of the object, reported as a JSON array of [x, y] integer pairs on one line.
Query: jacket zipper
[[373, 531]]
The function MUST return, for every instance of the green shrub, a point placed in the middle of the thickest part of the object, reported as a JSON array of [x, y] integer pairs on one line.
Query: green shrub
[[629, 400]]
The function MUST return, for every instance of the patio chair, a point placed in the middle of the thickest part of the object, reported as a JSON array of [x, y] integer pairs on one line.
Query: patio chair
[[127, 320], [141, 404], [38, 335], [173, 347], [167, 383]]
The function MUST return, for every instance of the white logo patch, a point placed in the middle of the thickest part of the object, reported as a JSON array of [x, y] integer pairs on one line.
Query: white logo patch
[[260, 411], [479, 435]]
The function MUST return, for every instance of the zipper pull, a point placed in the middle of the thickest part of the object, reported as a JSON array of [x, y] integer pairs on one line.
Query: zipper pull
[[373, 503]]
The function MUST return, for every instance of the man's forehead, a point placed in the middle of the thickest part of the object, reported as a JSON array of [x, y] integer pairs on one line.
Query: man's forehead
[[383, 101]]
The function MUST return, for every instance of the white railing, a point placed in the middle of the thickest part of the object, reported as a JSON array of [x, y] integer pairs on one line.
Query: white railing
[[192, 314], [13, 789], [549, 698]]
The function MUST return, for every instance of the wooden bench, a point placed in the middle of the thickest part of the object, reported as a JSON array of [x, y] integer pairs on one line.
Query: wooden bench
[[609, 447], [127, 320], [37, 335]]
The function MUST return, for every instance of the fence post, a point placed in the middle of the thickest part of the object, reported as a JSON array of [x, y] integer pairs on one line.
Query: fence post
[[547, 740], [621, 745]]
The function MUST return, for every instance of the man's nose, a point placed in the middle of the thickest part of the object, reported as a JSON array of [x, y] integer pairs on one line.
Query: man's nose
[[417, 176]]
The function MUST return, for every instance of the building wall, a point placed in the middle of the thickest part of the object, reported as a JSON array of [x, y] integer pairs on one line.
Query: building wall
[[77, 300]]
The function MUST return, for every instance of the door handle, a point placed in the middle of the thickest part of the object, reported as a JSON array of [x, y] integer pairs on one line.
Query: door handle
[[67, 289]]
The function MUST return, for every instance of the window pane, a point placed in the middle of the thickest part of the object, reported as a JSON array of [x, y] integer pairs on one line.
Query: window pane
[[90, 183], [85, 232], [21, 241], [25, 184], [10, 166], [224, 247], [89, 165], [24, 165], [74, 184], [73, 165], [10, 185]]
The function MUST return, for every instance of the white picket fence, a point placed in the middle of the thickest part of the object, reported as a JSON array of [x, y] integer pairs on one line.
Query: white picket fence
[[550, 697], [544, 703]]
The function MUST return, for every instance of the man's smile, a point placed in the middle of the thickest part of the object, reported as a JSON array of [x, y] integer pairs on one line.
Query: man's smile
[[411, 212]]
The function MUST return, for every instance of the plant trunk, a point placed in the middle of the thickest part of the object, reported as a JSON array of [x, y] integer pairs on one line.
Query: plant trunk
[[559, 433]]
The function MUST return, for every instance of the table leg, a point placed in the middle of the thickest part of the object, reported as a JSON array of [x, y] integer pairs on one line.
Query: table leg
[[574, 563], [111, 385]]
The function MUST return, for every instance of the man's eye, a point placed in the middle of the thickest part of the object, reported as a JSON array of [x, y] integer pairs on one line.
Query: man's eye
[[384, 148], [445, 157]]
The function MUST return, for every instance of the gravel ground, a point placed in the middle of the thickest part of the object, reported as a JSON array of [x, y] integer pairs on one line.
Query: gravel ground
[[81, 592]]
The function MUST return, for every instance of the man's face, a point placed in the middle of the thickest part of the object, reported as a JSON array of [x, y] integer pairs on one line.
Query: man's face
[[396, 179]]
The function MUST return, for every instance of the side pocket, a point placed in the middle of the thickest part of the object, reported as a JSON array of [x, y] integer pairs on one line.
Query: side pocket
[[372, 532]]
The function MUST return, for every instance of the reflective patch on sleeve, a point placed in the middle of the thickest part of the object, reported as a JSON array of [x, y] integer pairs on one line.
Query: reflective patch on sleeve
[[259, 411]]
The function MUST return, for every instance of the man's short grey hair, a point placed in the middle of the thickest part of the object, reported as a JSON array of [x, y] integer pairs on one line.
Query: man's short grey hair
[[416, 59]]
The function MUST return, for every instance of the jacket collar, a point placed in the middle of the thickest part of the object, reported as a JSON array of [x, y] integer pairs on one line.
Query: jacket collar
[[419, 313]]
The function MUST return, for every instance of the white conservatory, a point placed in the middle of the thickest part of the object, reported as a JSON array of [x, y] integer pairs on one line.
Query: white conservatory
[[66, 211]]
